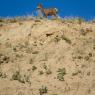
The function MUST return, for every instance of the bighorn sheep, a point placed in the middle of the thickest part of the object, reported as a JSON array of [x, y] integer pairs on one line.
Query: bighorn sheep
[[48, 12]]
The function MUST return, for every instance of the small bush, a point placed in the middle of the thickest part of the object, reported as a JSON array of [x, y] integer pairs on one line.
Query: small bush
[[17, 76], [21, 78], [41, 72], [86, 58], [48, 72], [34, 68], [73, 20], [4, 59], [43, 90], [2, 75], [61, 73], [45, 66]]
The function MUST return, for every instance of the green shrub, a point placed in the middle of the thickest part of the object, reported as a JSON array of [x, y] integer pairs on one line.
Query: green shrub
[[48, 72], [61, 73], [41, 72], [21, 78], [34, 68], [43, 90]]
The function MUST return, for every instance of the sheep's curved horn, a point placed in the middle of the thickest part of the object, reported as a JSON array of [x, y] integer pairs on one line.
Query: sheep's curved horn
[[56, 10]]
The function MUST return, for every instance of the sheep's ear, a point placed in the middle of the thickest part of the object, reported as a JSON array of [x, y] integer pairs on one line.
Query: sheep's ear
[[40, 4]]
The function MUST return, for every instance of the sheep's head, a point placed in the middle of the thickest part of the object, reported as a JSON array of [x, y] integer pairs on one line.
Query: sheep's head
[[39, 6]]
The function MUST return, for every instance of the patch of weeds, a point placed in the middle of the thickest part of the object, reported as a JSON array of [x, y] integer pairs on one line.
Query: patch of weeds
[[28, 50], [17, 76], [86, 58], [90, 54], [41, 72], [79, 57], [21, 78], [27, 79], [4, 59], [66, 39], [14, 20], [82, 31], [48, 72], [43, 90], [14, 49], [2, 75], [61, 73], [45, 66], [80, 20], [34, 68], [19, 55]]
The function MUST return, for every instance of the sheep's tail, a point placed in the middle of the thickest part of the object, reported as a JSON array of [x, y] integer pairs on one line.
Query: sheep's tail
[[56, 10]]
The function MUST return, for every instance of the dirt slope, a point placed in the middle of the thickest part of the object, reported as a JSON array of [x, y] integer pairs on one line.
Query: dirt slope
[[47, 57]]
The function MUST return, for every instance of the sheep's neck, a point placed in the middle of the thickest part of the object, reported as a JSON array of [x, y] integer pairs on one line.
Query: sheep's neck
[[42, 10]]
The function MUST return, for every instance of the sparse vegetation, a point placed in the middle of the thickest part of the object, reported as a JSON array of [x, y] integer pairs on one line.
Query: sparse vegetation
[[45, 66], [61, 73], [52, 53], [48, 72], [34, 68], [73, 20], [4, 59], [43, 90], [17, 76], [2, 74], [21, 78], [41, 72]]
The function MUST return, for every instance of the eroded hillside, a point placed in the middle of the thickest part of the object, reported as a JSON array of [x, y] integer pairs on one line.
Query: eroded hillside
[[47, 57]]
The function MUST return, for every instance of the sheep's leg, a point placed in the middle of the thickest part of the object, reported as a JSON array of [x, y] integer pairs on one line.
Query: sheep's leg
[[55, 16], [45, 16]]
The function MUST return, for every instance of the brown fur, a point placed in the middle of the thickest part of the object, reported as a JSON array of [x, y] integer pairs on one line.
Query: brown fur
[[47, 12]]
